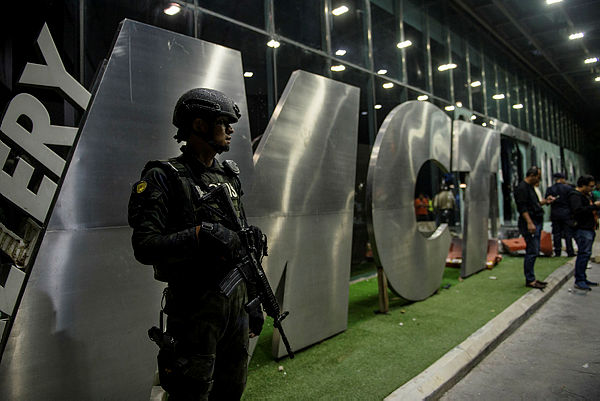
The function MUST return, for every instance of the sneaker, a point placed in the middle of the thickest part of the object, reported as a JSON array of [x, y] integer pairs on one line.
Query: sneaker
[[582, 285], [591, 283]]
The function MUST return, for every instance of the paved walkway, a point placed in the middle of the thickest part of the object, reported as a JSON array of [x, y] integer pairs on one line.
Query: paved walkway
[[554, 355]]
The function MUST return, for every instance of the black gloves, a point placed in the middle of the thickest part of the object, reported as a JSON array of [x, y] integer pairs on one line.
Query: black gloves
[[221, 239], [256, 320]]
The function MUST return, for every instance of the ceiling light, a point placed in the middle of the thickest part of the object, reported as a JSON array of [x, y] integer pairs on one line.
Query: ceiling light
[[363, 113], [388, 85], [378, 106], [449, 108], [597, 79], [577, 35], [382, 72], [248, 74], [273, 43], [463, 185], [340, 10], [483, 124], [473, 117], [517, 106], [338, 68], [458, 104], [404, 44], [475, 84], [553, 1], [172, 9], [591, 60], [445, 67], [422, 98], [340, 52], [498, 96]]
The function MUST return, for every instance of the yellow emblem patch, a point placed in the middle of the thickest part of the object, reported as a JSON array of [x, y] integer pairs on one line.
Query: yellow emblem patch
[[141, 186]]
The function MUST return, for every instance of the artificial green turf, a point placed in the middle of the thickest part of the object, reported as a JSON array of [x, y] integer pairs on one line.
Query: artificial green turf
[[377, 354]]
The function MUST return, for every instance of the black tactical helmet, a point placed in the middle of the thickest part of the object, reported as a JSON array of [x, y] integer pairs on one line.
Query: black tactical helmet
[[203, 103]]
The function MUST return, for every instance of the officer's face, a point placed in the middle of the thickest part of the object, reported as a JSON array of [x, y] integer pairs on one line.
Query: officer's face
[[222, 131]]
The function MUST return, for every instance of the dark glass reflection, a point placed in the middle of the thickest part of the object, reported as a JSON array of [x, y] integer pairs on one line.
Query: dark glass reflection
[[348, 32], [386, 35], [301, 21], [416, 55], [251, 12], [254, 50]]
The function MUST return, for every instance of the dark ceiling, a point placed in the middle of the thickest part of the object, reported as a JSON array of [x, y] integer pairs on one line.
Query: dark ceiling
[[538, 35]]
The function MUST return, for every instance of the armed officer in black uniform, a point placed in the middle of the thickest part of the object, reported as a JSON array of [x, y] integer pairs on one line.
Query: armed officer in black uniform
[[205, 355]]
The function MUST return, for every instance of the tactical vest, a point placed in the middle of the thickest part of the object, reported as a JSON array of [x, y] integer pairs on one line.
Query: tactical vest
[[185, 204]]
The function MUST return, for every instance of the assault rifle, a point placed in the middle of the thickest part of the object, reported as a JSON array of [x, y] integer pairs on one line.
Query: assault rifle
[[249, 267]]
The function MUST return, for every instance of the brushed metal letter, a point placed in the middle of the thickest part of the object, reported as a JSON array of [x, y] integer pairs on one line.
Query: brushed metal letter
[[476, 150], [14, 187], [10, 291], [413, 133], [303, 199], [53, 74], [43, 133]]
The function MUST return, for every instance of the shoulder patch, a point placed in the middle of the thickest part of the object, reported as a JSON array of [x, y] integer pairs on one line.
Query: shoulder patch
[[231, 167], [140, 186]]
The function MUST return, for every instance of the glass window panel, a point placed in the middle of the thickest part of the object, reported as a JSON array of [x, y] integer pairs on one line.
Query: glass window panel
[[348, 31], [300, 20], [416, 56], [502, 90], [251, 12], [490, 86], [254, 50], [476, 79], [388, 98], [291, 58], [459, 74], [385, 26], [102, 18]]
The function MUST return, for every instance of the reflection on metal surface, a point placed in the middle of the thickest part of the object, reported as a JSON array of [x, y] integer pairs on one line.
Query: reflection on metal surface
[[88, 302], [476, 150], [411, 134], [302, 197]]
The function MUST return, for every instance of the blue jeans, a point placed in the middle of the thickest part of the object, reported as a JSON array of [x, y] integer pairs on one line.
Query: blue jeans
[[584, 240], [531, 251]]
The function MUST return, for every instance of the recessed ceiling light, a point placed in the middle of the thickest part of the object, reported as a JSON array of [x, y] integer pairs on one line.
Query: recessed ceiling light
[[388, 85], [498, 96], [422, 97], [473, 117], [577, 35], [378, 106], [404, 44], [483, 124], [591, 60], [338, 68], [340, 10], [172, 9], [382, 72], [475, 84], [458, 104], [445, 67], [273, 43], [340, 52], [597, 79], [553, 1], [517, 106], [248, 74], [449, 108]]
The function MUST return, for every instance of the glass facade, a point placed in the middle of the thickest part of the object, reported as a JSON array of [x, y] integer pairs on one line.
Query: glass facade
[[415, 48]]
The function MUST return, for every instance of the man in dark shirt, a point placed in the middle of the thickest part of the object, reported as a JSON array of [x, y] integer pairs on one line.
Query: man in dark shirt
[[584, 219], [560, 214], [531, 217]]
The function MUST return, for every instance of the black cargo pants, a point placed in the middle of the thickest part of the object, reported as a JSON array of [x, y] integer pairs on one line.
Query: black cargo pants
[[212, 335]]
